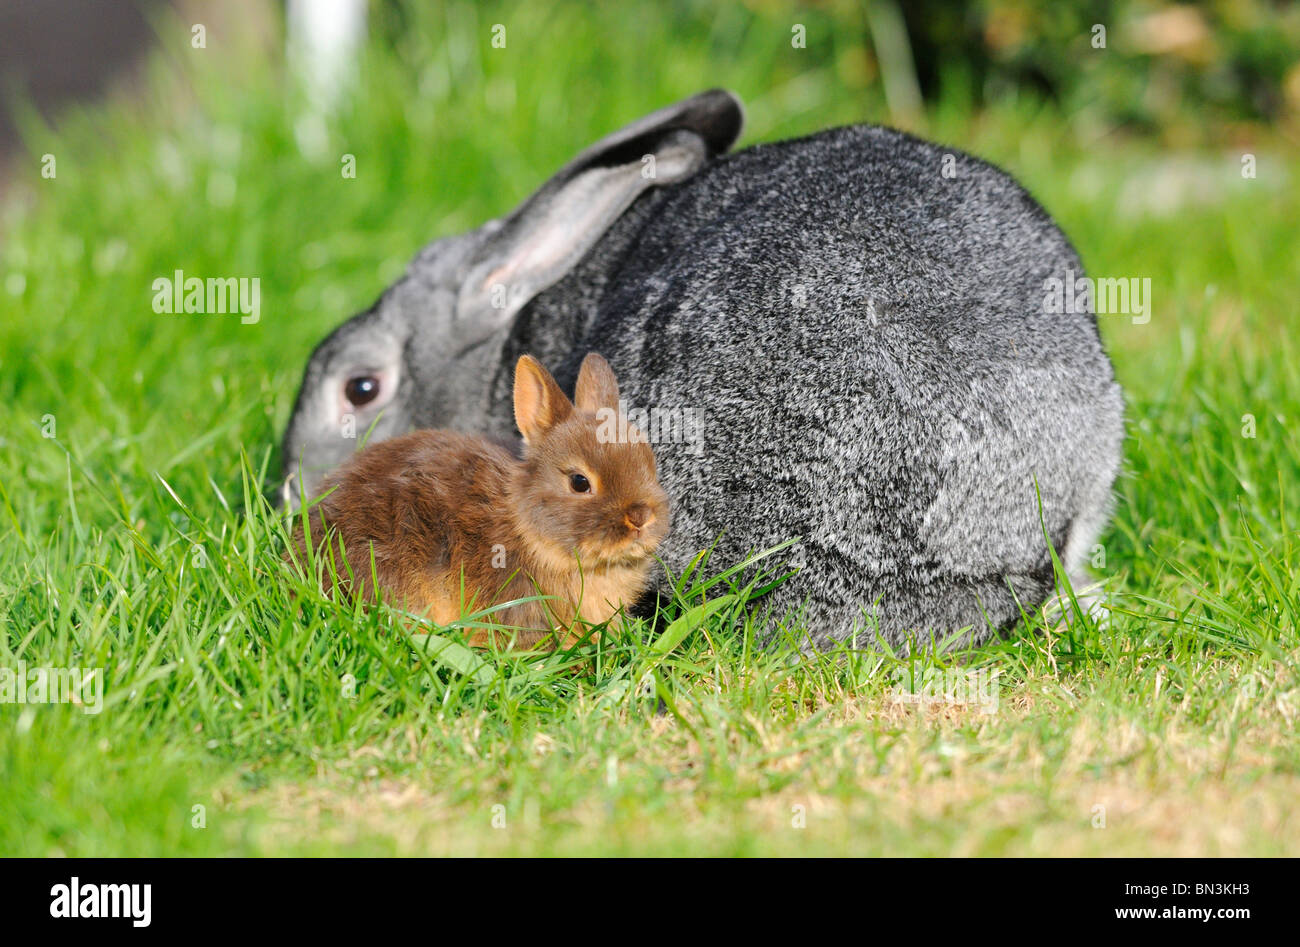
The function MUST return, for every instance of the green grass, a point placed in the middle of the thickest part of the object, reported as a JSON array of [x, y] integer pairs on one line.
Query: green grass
[[134, 539]]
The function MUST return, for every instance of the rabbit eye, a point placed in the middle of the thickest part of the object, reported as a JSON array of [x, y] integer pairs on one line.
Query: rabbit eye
[[579, 483], [361, 390]]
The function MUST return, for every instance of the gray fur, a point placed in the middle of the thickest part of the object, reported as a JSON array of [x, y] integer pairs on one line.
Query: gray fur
[[866, 339]]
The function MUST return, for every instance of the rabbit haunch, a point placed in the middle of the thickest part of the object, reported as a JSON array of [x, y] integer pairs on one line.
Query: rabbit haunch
[[456, 523]]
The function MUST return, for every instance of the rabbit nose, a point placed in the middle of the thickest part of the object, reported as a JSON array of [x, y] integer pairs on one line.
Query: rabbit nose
[[638, 517]]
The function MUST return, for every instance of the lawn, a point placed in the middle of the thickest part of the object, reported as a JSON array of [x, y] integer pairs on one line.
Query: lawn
[[236, 719]]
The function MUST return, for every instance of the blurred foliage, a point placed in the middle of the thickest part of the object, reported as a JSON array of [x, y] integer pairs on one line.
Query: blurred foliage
[[1161, 65], [1185, 70]]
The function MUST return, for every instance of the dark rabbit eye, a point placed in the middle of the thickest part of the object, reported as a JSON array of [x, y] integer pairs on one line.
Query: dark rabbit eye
[[579, 483], [361, 390]]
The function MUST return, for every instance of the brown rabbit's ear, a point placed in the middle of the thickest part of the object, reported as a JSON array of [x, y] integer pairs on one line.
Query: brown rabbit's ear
[[597, 387], [540, 404]]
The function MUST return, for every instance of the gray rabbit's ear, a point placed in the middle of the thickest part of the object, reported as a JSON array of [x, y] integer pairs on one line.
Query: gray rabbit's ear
[[546, 236]]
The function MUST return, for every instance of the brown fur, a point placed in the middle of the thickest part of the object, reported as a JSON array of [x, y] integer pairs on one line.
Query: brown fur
[[440, 510]]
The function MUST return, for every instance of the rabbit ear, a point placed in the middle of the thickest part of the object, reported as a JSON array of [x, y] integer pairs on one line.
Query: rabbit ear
[[597, 387], [549, 233], [539, 402]]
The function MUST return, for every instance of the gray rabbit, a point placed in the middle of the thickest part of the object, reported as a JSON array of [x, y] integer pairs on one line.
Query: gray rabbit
[[855, 322]]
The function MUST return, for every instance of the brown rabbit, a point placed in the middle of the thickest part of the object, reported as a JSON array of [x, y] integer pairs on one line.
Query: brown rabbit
[[456, 522]]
